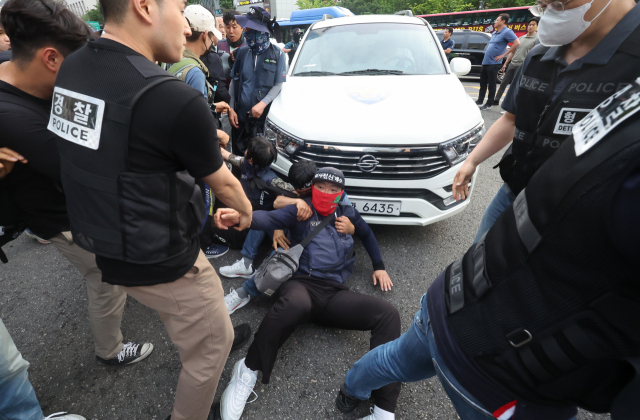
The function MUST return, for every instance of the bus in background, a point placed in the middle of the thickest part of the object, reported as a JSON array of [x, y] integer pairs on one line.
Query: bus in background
[[304, 18], [481, 20]]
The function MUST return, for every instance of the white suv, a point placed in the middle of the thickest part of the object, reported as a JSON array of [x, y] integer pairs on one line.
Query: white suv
[[375, 97]]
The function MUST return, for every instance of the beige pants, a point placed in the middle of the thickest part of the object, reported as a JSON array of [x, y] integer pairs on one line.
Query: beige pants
[[193, 311], [106, 302]]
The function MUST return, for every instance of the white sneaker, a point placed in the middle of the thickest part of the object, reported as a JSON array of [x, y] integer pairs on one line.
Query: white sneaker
[[238, 392], [378, 414], [235, 302], [64, 416], [237, 270]]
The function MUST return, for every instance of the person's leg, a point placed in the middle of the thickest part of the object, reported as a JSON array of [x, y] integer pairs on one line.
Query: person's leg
[[503, 199], [252, 243], [105, 301], [193, 311], [492, 81], [293, 308], [17, 398], [483, 85], [356, 311], [249, 286], [506, 81]]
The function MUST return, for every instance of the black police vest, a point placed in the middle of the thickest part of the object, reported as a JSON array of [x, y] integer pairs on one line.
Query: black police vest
[[544, 304], [542, 125], [113, 212], [263, 79]]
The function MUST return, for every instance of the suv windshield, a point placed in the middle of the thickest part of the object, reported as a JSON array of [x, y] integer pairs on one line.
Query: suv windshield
[[369, 48]]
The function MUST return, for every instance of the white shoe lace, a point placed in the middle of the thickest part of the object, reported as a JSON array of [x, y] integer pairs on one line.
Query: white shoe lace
[[231, 297], [128, 350], [243, 390], [238, 265]]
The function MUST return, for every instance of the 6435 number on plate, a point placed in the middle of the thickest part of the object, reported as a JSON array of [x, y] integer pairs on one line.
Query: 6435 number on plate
[[382, 208]]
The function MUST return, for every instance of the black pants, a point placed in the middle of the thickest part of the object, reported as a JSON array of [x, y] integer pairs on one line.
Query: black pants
[[488, 76], [304, 299], [509, 74], [246, 129]]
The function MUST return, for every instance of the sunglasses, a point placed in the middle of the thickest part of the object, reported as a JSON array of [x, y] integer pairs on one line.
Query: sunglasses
[[541, 7]]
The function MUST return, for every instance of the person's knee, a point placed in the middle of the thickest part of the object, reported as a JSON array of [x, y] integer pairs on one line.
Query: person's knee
[[389, 320]]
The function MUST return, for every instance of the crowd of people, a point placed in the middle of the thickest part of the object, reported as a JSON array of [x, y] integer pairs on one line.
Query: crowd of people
[[139, 193]]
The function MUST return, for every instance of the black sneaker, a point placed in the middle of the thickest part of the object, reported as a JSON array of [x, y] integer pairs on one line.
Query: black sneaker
[[487, 106], [242, 334], [479, 103], [131, 353], [345, 402]]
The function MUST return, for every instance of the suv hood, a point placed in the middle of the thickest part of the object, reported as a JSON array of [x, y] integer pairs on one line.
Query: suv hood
[[381, 110]]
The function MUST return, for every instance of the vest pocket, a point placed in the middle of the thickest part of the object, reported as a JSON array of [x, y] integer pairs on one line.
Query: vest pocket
[[268, 75], [145, 215]]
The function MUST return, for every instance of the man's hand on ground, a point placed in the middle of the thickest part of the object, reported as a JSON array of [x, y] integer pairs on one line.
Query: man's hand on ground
[[381, 276]]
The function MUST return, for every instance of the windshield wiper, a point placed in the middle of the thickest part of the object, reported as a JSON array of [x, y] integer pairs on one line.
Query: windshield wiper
[[371, 71], [314, 73]]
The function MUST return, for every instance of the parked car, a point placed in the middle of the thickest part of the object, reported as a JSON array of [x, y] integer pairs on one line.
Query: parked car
[[471, 45], [371, 96]]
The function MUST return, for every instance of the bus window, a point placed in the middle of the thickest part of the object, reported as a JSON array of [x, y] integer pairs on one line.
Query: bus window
[[477, 42], [487, 20], [467, 20], [518, 16]]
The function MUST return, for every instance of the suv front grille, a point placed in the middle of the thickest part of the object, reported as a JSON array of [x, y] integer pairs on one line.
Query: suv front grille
[[400, 162]]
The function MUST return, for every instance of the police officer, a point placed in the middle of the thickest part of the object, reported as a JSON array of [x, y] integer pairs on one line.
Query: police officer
[[292, 46], [576, 68], [541, 315], [129, 157], [257, 77]]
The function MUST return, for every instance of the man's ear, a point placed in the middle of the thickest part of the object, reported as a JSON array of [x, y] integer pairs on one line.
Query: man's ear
[[52, 58], [144, 8]]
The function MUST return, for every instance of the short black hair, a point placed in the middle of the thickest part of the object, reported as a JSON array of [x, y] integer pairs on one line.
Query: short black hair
[[34, 24], [262, 152], [450, 30], [114, 11], [504, 17], [534, 19], [230, 16], [301, 174], [195, 35]]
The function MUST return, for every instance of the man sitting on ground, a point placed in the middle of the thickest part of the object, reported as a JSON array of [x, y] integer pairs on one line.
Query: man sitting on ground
[[316, 292]]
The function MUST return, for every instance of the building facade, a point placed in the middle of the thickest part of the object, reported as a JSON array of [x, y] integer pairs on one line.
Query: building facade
[[81, 7], [281, 9]]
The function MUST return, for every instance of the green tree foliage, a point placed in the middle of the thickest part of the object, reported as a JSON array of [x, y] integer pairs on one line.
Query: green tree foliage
[[418, 7], [226, 4], [314, 4], [94, 15]]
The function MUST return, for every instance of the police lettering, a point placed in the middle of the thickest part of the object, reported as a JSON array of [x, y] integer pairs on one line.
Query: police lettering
[[554, 144], [533, 84], [63, 127], [596, 87]]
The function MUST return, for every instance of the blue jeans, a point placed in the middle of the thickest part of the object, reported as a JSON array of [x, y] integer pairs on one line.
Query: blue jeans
[[252, 243], [17, 398], [412, 357], [250, 284], [503, 199]]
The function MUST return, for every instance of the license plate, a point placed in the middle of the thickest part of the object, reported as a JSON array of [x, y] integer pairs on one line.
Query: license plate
[[382, 208]]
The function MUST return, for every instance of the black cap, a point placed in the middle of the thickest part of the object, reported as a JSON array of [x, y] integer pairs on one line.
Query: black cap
[[332, 175], [257, 19], [297, 31]]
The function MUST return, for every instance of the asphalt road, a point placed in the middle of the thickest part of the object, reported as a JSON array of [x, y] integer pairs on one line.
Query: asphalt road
[[43, 304]]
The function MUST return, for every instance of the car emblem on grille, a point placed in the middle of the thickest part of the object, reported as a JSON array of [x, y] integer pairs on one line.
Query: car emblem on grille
[[368, 163]]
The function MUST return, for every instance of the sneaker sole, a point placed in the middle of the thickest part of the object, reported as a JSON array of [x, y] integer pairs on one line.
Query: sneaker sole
[[211, 257], [233, 276], [243, 303], [142, 356]]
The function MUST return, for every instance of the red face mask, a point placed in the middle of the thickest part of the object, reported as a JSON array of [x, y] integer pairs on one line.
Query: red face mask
[[325, 203]]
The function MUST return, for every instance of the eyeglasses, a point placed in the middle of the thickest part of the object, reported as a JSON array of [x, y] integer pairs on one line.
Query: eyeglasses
[[539, 9]]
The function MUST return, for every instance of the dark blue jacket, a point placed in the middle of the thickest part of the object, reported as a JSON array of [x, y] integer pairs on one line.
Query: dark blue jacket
[[330, 255]]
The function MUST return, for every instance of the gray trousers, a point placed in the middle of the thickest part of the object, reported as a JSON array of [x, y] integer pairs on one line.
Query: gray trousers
[[509, 74]]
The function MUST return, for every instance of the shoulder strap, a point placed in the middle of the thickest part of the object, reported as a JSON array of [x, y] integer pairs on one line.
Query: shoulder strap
[[317, 230], [183, 64], [17, 100]]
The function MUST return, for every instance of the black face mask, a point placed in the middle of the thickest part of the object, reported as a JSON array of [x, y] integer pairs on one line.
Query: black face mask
[[208, 50], [296, 37]]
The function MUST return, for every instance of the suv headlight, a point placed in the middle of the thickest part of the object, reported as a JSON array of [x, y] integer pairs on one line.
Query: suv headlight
[[457, 150], [284, 142]]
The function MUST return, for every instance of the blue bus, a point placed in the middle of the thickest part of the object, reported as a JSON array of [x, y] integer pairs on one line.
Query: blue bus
[[304, 18]]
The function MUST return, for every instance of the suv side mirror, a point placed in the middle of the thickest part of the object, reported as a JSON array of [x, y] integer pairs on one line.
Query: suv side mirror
[[460, 66]]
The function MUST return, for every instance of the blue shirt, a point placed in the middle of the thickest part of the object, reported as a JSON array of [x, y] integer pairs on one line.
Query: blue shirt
[[196, 79], [450, 43], [498, 45]]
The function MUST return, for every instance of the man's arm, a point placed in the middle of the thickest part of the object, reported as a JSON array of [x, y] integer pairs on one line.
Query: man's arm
[[364, 232], [513, 49], [304, 211], [227, 188], [197, 80], [262, 220], [499, 135]]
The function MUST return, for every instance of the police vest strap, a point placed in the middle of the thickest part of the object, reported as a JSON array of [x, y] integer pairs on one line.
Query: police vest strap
[[526, 230], [481, 283], [533, 139], [317, 230], [455, 288], [627, 404]]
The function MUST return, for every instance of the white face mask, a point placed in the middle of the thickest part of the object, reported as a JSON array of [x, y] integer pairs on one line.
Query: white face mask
[[562, 28]]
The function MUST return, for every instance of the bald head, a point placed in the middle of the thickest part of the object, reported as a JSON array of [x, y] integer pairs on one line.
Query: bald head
[[220, 26]]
